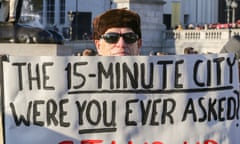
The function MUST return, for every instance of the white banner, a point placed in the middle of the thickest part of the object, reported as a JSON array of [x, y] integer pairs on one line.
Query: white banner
[[191, 99]]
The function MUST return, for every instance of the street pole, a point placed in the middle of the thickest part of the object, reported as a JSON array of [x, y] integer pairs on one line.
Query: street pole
[[76, 21], [234, 5], [196, 11], [70, 16], [228, 4]]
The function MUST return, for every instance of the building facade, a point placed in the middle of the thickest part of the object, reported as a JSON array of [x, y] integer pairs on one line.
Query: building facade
[[200, 12], [157, 16], [184, 12], [77, 14], [175, 12]]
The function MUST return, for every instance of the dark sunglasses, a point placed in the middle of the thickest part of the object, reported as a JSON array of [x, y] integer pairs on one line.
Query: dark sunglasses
[[112, 38]]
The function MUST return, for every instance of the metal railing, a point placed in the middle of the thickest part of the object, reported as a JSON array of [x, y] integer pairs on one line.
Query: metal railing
[[215, 34], [211, 40]]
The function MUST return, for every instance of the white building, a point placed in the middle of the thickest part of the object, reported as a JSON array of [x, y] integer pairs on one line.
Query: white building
[[186, 12], [174, 11]]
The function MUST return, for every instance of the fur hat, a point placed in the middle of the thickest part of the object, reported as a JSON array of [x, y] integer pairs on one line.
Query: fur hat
[[232, 46], [116, 18]]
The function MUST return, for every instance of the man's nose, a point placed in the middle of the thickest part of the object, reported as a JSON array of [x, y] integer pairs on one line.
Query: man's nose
[[121, 42]]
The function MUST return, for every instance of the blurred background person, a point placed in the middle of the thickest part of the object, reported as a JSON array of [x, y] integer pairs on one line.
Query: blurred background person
[[189, 50], [89, 52], [233, 46]]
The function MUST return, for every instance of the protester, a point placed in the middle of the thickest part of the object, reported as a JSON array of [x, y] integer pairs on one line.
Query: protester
[[189, 50], [233, 46], [117, 32], [85, 36], [179, 27], [89, 52], [157, 53]]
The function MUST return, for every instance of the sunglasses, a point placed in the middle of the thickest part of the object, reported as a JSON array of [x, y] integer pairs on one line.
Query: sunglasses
[[113, 38]]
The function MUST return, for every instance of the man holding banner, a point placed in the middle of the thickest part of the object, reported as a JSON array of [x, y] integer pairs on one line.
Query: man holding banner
[[117, 32], [183, 99]]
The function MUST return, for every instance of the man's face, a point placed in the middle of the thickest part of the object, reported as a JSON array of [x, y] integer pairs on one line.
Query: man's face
[[121, 47]]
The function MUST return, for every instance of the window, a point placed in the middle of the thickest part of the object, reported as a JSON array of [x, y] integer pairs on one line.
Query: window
[[50, 11], [62, 12]]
